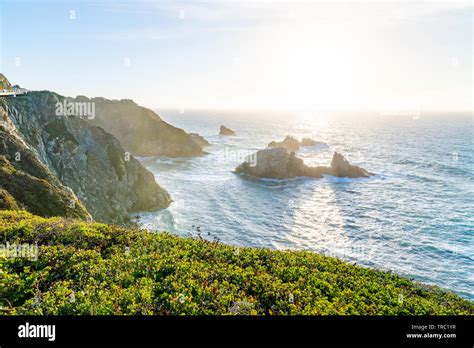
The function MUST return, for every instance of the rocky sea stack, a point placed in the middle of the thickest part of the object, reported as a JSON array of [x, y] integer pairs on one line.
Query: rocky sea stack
[[223, 130], [108, 180], [277, 163], [311, 142], [292, 144], [342, 168], [289, 143]]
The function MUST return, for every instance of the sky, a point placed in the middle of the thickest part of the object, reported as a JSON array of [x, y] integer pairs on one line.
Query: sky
[[341, 55]]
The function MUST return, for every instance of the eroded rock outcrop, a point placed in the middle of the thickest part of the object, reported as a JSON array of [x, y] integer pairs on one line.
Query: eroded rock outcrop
[[292, 144], [277, 163], [140, 130], [109, 181], [199, 139], [223, 130]]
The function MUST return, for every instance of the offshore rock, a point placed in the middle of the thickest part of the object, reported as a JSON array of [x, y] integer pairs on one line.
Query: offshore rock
[[277, 163], [223, 130]]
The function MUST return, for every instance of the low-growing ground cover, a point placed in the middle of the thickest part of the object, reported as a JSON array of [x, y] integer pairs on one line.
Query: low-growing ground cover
[[92, 268]]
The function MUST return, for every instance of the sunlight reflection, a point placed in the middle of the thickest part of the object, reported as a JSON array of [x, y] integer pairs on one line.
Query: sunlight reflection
[[317, 220]]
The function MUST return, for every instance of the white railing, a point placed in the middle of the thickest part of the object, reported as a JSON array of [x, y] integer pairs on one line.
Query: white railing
[[14, 92]]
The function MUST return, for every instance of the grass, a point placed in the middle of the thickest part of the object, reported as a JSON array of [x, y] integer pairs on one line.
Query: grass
[[92, 268]]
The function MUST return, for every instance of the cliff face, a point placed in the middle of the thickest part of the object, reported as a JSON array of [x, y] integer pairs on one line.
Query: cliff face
[[25, 182], [110, 182], [140, 130]]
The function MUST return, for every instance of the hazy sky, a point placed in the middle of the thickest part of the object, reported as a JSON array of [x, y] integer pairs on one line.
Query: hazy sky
[[236, 54]]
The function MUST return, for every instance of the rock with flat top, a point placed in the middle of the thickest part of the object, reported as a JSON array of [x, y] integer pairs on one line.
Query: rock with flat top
[[289, 143]]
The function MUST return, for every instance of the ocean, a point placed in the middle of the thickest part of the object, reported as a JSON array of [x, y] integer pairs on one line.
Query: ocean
[[415, 217]]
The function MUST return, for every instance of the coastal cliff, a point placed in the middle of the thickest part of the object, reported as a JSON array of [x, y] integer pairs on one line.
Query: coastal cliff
[[26, 183], [140, 130], [110, 182]]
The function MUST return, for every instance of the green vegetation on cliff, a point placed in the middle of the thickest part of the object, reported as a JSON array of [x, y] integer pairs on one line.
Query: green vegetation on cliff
[[25, 182], [42, 196], [92, 268], [7, 201]]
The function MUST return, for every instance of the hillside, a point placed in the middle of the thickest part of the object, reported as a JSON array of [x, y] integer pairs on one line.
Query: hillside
[[91, 268]]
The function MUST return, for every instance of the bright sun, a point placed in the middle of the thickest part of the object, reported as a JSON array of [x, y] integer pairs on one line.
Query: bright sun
[[317, 70]]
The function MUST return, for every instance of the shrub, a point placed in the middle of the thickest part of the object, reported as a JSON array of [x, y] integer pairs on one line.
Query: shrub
[[91, 268]]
